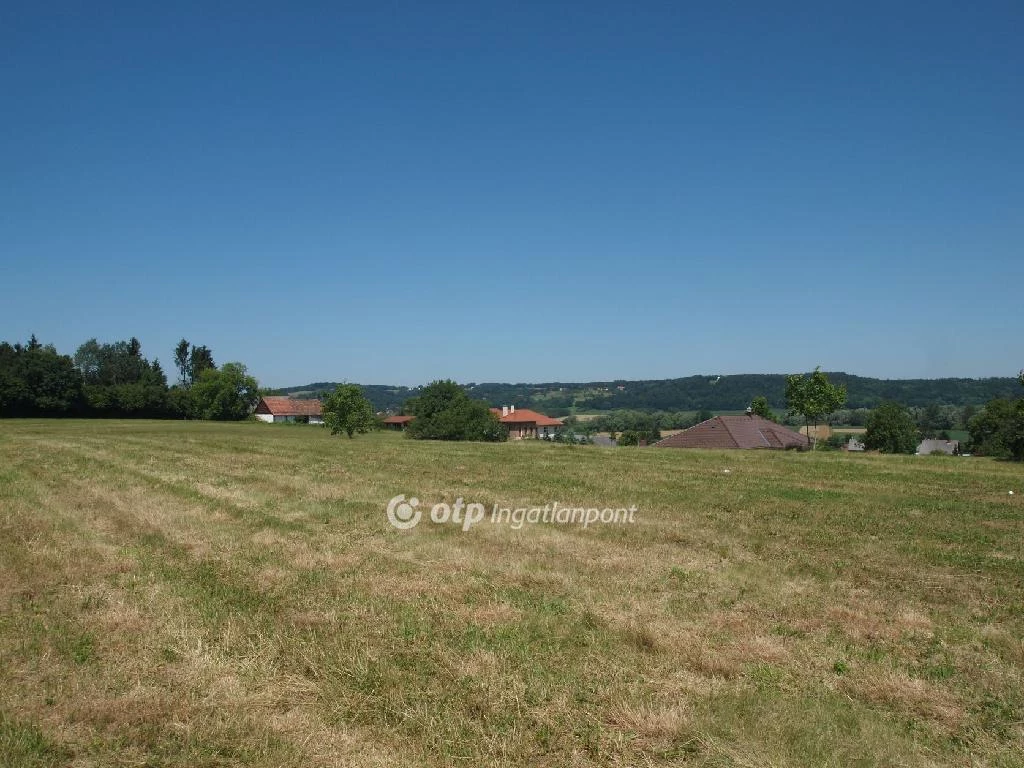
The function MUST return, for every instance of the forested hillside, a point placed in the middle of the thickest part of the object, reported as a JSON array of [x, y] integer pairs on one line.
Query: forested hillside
[[715, 393]]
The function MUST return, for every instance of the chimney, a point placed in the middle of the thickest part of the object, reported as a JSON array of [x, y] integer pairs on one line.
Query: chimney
[[511, 409], [750, 411], [504, 410]]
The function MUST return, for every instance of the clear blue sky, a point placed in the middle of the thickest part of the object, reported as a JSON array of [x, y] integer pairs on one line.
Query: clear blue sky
[[392, 193]]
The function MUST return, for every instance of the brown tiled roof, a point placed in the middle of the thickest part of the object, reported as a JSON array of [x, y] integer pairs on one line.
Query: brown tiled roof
[[398, 419], [526, 416], [743, 431], [288, 406]]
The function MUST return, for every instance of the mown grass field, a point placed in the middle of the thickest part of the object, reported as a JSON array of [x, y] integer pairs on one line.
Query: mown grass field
[[182, 594]]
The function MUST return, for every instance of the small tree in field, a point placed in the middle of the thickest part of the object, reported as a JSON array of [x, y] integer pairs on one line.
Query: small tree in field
[[813, 398], [891, 429], [347, 410]]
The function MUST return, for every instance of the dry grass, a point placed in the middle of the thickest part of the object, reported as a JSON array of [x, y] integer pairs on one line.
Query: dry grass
[[196, 594]]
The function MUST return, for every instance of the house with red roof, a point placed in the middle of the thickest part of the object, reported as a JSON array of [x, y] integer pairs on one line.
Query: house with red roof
[[524, 423], [396, 422], [277, 410], [747, 431]]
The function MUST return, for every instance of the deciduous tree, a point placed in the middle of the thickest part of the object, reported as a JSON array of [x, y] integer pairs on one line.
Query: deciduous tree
[[225, 394], [200, 359], [891, 429], [347, 410], [813, 398], [443, 411], [36, 381], [183, 362], [998, 430]]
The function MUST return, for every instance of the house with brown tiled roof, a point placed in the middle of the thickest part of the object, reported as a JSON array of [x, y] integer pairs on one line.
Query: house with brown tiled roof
[[747, 431], [276, 410], [524, 423], [396, 422]]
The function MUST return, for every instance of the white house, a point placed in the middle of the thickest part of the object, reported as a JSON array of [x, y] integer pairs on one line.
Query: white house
[[274, 410]]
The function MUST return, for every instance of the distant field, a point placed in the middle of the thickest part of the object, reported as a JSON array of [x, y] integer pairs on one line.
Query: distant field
[[182, 594]]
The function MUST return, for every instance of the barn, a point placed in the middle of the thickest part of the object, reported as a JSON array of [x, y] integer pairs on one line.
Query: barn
[[277, 410]]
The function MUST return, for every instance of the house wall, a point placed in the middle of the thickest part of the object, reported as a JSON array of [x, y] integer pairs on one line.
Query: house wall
[[266, 417]]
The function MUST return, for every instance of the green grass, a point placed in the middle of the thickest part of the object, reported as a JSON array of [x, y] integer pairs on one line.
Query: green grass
[[195, 594]]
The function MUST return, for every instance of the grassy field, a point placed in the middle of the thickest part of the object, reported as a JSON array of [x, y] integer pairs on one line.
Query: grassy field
[[183, 594]]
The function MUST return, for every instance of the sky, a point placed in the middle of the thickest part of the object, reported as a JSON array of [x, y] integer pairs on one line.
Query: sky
[[400, 192]]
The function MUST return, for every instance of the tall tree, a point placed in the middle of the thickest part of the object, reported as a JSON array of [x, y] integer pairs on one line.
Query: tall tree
[[347, 410], [200, 359], [813, 398], [89, 361], [183, 362]]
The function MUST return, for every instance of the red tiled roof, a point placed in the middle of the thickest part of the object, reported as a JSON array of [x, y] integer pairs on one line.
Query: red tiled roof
[[743, 431], [526, 416], [398, 419], [288, 406]]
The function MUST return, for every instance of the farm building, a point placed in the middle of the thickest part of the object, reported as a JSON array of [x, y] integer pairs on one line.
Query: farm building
[[950, 447], [525, 423], [746, 431], [396, 422], [276, 410], [853, 444]]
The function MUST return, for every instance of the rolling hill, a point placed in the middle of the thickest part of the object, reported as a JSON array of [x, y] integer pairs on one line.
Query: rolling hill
[[715, 393]]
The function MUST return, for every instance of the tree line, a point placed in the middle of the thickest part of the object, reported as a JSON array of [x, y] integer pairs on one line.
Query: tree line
[[115, 380]]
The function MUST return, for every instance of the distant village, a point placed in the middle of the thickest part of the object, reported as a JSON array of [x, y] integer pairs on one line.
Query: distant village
[[748, 431]]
